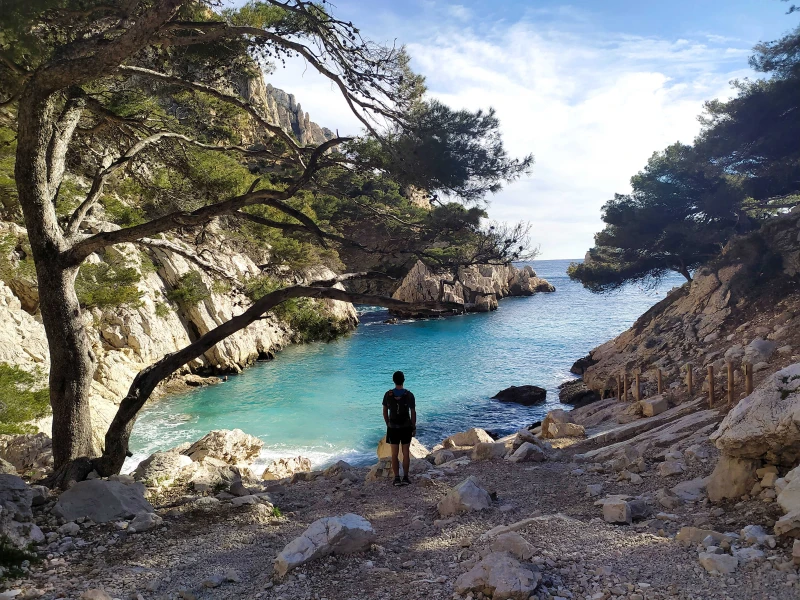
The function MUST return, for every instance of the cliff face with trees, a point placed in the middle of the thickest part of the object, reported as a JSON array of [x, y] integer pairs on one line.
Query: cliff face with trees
[[134, 111]]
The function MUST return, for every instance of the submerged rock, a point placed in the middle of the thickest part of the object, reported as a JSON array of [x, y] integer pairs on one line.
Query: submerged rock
[[527, 395]]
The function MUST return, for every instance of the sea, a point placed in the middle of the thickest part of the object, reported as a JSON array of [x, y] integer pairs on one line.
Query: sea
[[323, 400]]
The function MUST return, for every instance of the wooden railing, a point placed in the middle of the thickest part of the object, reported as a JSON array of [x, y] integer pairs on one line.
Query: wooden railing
[[623, 383]]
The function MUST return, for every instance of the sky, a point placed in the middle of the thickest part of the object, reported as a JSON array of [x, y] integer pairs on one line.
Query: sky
[[590, 87]]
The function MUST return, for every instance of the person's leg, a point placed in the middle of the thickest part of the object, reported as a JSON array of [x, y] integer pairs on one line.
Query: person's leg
[[395, 462], [406, 459]]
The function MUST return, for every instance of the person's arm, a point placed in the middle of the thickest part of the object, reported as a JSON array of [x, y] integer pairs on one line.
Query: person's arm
[[386, 415], [413, 415]]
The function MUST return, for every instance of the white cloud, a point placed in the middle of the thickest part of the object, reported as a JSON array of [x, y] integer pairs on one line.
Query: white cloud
[[591, 106]]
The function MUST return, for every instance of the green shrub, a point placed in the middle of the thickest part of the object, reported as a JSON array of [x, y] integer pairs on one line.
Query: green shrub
[[190, 290], [163, 310], [276, 512], [102, 285], [15, 258], [19, 403], [258, 287], [310, 321], [220, 287], [122, 214]]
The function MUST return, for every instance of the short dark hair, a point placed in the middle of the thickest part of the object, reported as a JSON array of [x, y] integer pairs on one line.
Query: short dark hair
[[398, 378]]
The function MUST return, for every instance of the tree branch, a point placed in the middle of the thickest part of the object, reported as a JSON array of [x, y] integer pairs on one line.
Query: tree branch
[[63, 129], [189, 255], [145, 382], [219, 94]]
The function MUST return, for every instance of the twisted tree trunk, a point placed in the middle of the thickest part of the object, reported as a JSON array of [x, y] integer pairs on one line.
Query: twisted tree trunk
[[38, 172]]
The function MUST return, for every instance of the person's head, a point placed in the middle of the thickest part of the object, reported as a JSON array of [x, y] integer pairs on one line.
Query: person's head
[[398, 378]]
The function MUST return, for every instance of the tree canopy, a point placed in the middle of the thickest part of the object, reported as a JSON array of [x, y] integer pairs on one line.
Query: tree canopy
[[743, 167], [141, 113]]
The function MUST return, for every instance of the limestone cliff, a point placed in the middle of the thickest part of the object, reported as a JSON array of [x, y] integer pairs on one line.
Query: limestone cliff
[[477, 288], [745, 306]]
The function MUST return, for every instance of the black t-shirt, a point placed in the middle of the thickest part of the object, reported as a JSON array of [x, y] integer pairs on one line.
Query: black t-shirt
[[400, 407]]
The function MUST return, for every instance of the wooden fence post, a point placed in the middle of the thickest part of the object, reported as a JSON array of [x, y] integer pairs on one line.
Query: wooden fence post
[[748, 379], [625, 386], [637, 392], [689, 381], [660, 383], [619, 386], [730, 383], [710, 386]]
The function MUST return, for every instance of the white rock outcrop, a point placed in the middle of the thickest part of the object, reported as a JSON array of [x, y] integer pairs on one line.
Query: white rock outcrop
[[501, 577], [766, 424], [102, 501], [331, 535], [471, 437], [416, 450], [162, 469], [465, 497], [477, 288], [232, 446], [286, 467]]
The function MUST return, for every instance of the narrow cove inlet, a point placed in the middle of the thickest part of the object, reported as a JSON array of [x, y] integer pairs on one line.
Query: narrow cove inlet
[[322, 401]]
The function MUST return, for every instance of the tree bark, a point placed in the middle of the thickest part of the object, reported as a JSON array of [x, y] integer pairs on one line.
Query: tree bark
[[71, 360]]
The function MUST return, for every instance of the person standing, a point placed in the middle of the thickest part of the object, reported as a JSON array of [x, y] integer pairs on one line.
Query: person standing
[[400, 414]]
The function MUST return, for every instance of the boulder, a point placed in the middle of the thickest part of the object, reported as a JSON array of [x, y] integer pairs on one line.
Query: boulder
[[489, 451], [559, 430], [527, 395], [513, 543], [467, 438], [617, 510], [161, 469], [286, 467], [732, 478], [331, 535], [576, 393], [718, 563], [528, 452], [525, 435], [211, 474], [16, 517], [102, 501], [416, 449], [442, 456], [690, 536], [31, 453], [500, 576], [383, 469], [95, 594], [668, 468], [341, 470], [788, 524], [759, 350], [230, 446], [145, 522], [6, 468], [580, 365], [654, 406], [767, 422], [691, 490], [465, 497], [558, 415], [789, 497]]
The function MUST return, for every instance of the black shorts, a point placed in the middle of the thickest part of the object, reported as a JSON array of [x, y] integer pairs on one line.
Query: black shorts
[[398, 435]]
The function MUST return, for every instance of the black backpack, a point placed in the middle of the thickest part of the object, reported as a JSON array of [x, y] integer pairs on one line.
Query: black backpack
[[399, 409]]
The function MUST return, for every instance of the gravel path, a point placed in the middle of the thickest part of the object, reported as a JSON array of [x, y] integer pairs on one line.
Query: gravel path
[[223, 551]]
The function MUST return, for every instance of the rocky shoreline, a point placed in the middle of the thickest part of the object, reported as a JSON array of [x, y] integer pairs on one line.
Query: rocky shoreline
[[614, 500]]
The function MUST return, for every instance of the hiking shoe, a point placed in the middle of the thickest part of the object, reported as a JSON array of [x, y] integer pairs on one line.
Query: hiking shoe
[[397, 482], [406, 481]]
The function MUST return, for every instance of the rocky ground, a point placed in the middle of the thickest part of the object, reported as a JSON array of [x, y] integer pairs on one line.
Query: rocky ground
[[206, 547]]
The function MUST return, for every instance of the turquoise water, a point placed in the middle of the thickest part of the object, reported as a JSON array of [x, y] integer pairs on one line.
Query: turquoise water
[[324, 400]]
